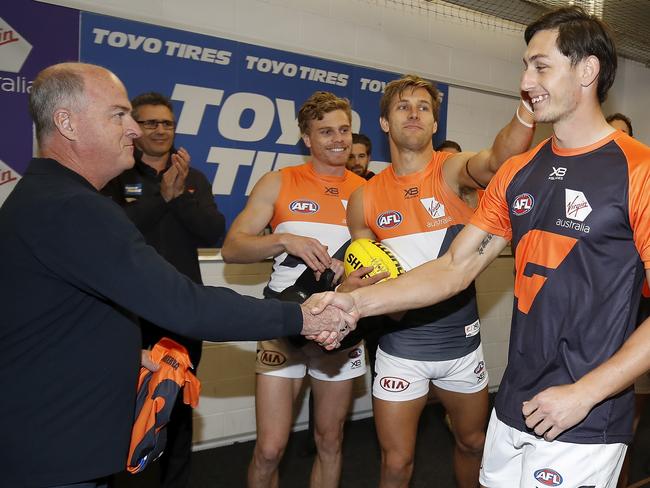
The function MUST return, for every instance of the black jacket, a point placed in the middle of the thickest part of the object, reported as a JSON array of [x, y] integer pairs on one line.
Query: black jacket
[[175, 229], [73, 263]]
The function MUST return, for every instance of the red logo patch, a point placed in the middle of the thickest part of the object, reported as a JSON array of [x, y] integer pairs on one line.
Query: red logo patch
[[548, 477], [304, 206], [355, 353], [391, 383], [389, 219], [523, 204]]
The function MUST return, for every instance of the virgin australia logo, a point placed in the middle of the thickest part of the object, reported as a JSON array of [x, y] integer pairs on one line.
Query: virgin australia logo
[[14, 49], [577, 206]]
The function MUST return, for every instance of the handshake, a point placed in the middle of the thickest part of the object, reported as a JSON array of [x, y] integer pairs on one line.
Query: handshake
[[328, 317]]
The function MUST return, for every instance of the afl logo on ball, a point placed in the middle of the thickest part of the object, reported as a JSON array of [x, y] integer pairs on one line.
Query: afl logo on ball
[[271, 358], [389, 219], [391, 383], [304, 206], [523, 204], [548, 477]]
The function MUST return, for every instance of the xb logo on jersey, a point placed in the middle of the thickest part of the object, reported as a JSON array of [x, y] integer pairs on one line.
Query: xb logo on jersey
[[577, 206], [557, 173], [523, 204]]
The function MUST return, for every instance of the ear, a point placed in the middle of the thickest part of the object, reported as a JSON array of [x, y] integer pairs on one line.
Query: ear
[[590, 70], [383, 123], [306, 140], [64, 124], [435, 127]]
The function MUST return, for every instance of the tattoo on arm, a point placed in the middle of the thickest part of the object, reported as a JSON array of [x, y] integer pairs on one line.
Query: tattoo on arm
[[484, 243]]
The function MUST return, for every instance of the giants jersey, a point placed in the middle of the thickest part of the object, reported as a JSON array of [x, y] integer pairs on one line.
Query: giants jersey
[[417, 216], [578, 220], [310, 205]]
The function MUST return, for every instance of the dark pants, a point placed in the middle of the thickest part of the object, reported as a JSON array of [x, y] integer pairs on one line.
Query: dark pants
[[99, 483]]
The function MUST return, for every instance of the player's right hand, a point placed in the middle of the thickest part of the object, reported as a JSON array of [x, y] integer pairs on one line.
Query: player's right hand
[[358, 279]]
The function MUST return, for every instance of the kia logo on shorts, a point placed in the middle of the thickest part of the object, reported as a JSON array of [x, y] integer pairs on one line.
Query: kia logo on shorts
[[272, 358], [523, 204], [548, 477], [391, 383], [304, 206], [355, 353], [389, 219]]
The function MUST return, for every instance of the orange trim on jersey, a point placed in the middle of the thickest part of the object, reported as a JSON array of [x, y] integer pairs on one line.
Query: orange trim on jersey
[[307, 196], [576, 151], [493, 214], [638, 161], [424, 196]]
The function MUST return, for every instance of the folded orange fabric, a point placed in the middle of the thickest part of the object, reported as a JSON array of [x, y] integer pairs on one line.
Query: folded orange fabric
[[157, 394]]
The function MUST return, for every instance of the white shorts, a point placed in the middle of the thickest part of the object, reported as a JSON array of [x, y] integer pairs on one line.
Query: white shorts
[[400, 380], [642, 384], [515, 459], [278, 357]]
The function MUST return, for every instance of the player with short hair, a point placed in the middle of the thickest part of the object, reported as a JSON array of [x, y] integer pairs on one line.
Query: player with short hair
[[621, 122], [415, 207], [360, 156], [305, 207], [449, 146], [575, 208]]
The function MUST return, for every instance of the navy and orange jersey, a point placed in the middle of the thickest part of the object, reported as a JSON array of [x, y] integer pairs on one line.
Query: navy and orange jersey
[[417, 216], [578, 220], [313, 205], [157, 392], [644, 306]]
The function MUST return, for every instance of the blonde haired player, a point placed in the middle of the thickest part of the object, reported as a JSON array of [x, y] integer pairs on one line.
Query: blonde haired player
[[305, 207], [415, 207]]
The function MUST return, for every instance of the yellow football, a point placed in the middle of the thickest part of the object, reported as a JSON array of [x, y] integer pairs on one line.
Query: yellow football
[[366, 252]]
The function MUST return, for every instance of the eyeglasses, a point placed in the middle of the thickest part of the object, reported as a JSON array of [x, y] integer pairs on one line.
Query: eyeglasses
[[154, 123]]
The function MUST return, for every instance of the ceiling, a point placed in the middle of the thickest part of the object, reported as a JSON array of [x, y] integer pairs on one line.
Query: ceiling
[[629, 19]]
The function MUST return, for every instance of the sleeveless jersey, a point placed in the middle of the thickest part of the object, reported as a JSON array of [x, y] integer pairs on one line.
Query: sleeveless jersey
[[310, 205], [578, 220], [417, 216]]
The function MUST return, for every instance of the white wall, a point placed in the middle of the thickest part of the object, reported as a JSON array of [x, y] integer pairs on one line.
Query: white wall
[[482, 64]]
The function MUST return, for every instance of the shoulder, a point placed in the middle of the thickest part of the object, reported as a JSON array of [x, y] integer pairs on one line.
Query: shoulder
[[354, 179], [515, 163], [636, 153]]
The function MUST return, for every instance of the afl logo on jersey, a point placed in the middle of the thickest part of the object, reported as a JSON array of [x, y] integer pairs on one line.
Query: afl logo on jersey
[[355, 353], [389, 219], [548, 477], [523, 204], [304, 206], [391, 383]]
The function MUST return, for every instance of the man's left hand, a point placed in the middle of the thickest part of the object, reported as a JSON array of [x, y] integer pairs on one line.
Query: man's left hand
[[555, 410], [147, 362]]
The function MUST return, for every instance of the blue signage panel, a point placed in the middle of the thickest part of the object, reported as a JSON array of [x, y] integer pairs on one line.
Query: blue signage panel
[[236, 104]]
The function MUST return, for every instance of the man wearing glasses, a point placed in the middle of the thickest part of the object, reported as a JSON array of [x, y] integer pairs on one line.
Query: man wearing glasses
[[173, 206]]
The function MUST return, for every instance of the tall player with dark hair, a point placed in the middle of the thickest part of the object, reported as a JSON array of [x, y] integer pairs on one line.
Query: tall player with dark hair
[[576, 208]]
